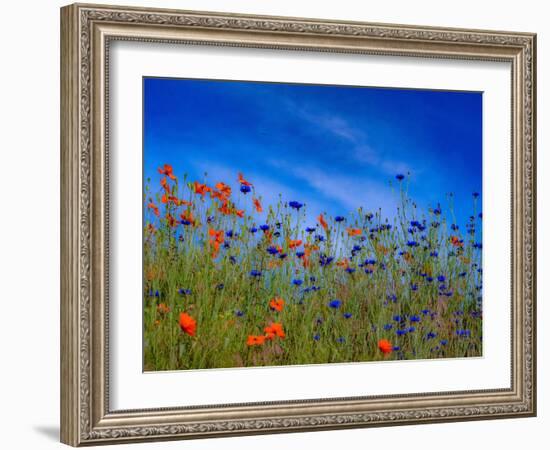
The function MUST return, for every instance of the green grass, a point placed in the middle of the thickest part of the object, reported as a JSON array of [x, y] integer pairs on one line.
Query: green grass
[[229, 304]]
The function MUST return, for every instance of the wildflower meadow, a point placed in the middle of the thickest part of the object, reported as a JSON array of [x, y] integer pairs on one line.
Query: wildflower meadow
[[231, 280]]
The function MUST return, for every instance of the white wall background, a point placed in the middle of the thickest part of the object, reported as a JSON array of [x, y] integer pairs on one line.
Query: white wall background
[[29, 223]]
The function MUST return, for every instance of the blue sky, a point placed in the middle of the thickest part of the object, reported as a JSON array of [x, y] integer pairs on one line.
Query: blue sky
[[333, 148]]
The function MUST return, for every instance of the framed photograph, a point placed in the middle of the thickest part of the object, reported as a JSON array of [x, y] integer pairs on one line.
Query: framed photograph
[[277, 224]]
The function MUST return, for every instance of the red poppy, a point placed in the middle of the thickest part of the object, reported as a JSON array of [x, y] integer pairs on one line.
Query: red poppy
[[239, 213], [216, 238], [294, 243], [322, 221], [162, 308], [456, 241], [385, 346], [277, 304], [188, 324], [154, 208], [201, 189], [172, 222], [243, 181], [343, 263], [188, 216], [168, 171], [224, 189], [257, 205], [165, 185], [255, 340], [354, 231], [275, 329]]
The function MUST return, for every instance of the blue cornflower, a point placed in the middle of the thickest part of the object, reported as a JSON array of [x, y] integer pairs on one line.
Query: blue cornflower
[[437, 211], [339, 219], [431, 335], [229, 233], [425, 311], [414, 287], [412, 243], [245, 189], [370, 262], [335, 303], [272, 250], [398, 318], [300, 254], [396, 348], [233, 259], [297, 282], [414, 318], [429, 279], [478, 245], [226, 245], [412, 329], [239, 313], [434, 254], [369, 216], [209, 219], [400, 177], [316, 337], [443, 342], [347, 315], [388, 327], [325, 260], [253, 230], [310, 230], [157, 294], [480, 215], [463, 333], [185, 222], [475, 194], [454, 227], [296, 205], [350, 270], [341, 340], [319, 238], [220, 286], [283, 256], [185, 291], [441, 278], [368, 271], [357, 248], [255, 273], [401, 332], [462, 274], [264, 227]]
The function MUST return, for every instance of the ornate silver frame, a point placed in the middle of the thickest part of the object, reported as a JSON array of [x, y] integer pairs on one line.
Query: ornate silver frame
[[86, 31]]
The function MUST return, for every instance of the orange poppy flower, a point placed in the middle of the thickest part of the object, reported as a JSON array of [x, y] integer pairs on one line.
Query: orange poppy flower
[[456, 242], [172, 222], [239, 213], [165, 185], [243, 181], [385, 346], [188, 216], [322, 221], [162, 308], [294, 243], [216, 238], [201, 189], [343, 263], [224, 189], [151, 228], [255, 340], [168, 171], [277, 304], [257, 205], [188, 324], [275, 329], [354, 231], [154, 208]]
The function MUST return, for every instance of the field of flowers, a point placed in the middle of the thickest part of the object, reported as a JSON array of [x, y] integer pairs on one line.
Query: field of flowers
[[225, 289]]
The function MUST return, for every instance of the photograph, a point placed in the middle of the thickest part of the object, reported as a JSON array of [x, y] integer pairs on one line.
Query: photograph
[[295, 224]]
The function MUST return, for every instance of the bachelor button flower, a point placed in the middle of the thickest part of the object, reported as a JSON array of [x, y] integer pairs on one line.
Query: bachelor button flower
[[478, 245], [434, 254], [454, 227], [255, 273], [441, 278], [310, 230], [475, 194], [398, 318], [437, 211], [429, 279], [264, 227], [157, 294], [368, 271], [350, 270], [400, 177], [233, 260], [341, 340], [431, 335], [296, 205], [245, 189], [425, 311], [401, 332], [411, 329], [316, 337], [414, 287], [220, 286], [229, 233], [335, 303], [412, 244], [253, 230], [357, 248], [319, 238], [480, 215], [339, 219], [239, 313], [297, 282], [414, 318], [283, 256], [272, 250], [185, 291], [347, 315], [388, 327], [443, 341], [300, 254]]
